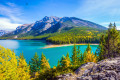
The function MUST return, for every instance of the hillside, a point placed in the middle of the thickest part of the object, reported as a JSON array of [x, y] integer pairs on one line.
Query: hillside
[[77, 34], [51, 25], [3, 32]]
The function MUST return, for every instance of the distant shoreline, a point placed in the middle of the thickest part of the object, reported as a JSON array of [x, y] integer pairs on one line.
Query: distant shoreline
[[52, 45], [57, 45]]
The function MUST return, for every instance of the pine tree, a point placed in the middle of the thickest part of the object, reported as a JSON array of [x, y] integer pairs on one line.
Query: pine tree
[[100, 50], [62, 61], [44, 64], [65, 61], [68, 63], [74, 56], [114, 26], [23, 68], [58, 64], [88, 48], [109, 43], [21, 56], [110, 26], [80, 56], [78, 50], [88, 56], [35, 63]]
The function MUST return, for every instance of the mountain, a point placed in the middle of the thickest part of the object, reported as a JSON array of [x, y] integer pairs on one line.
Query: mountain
[[3, 32], [51, 25]]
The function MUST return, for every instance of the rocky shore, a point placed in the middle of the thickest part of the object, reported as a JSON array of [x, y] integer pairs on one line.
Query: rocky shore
[[108, 69]]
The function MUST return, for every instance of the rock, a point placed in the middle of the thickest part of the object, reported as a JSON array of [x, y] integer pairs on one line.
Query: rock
[[106, 78], [84, 78], [67, 75], [3, 32], [85, 68], [108, 69]]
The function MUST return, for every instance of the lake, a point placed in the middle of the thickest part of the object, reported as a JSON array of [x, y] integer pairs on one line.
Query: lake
[[29, 47]]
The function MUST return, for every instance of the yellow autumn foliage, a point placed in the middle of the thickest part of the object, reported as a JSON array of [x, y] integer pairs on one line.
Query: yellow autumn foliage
[[8, 64], [66, 62], [90, 57], [44, 64], [10, 69], [23, 70]]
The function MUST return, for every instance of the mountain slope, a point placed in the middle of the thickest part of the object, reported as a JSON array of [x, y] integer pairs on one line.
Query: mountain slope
[[77, 34], [51, 25], [3, 32]]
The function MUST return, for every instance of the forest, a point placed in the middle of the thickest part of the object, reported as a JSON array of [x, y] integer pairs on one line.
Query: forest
[[77, 35], [14, 67], [74, 35]]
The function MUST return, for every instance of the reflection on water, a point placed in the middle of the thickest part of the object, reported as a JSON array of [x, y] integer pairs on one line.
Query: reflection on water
[[29, 47], [11, 44]]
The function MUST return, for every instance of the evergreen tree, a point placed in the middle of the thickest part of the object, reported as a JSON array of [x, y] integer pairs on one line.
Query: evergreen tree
[[21, 56], [79, 55], [110, 26], [88, 56], [35, 63], [67, 56], [68, 62], [114, 25], [58, 64], [62, 61], [88, 48], [65, 61], [23, 68], [78, 50], [44, 64], [74, 56], [109, 43]]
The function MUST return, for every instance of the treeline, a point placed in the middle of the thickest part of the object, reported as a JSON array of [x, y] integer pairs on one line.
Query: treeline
[[109, 45], [74, 35], [13, 67], [77, 35]]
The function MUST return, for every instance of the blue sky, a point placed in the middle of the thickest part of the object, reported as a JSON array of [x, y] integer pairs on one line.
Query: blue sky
[[16, 12]]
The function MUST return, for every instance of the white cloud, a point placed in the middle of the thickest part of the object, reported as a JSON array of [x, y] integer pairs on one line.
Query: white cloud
[[10, 16], [118, 28], [6, 24], [100, 11], [11, 11], [95, 7], [107, 23]]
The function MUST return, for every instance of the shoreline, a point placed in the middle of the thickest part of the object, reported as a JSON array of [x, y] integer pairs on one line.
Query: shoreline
[[57, 45]]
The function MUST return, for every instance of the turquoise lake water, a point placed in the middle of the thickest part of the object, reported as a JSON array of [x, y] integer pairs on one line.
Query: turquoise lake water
[[29, 47]]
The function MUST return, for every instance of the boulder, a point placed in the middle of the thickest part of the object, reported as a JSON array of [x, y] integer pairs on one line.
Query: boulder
[[108, 69]]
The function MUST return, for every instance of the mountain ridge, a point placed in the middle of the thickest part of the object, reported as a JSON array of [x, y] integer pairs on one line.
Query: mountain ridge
[[3, 32], [53, 24]]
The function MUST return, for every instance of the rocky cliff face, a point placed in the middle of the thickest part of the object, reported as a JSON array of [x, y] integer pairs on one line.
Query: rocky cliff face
[[53, 24], [108, 69], [3, 32]]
